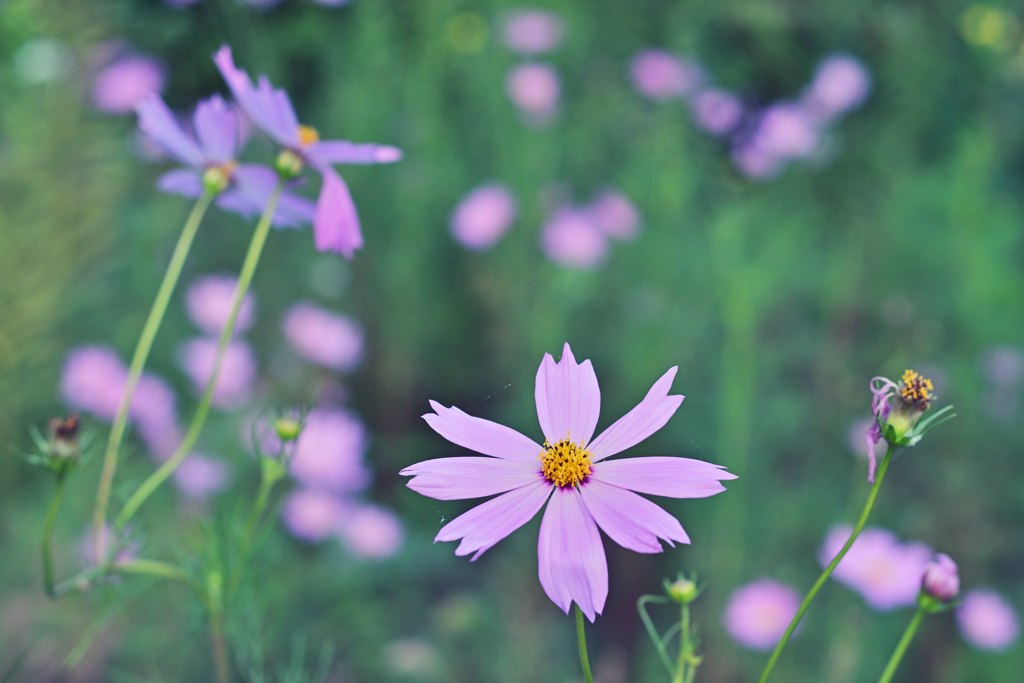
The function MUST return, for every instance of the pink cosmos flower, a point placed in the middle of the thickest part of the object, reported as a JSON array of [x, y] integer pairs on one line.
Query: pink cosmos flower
[[200, 477], [841, 83], [125, 82], [987, 621], [370, 531], [758, 614], [237, 371], [311, 515], [329, 452], [209, 300], [323, 337], [615, 215], [335, 222], [572, 240], [785, 131], [533, 31], [483, 216], [716, 111], [586, 490], [535, 89], [662, 76], [884, 571]]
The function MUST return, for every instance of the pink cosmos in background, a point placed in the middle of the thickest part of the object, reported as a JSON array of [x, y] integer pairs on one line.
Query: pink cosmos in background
[[127, 550], [371, 532], [312, 515], [237, 370], [209, 300], [855, 436], [124, 82], [586, 490], [662, 76], [783, 132], [323, 337], [758, 613], [200, 476], [534, 88], [884, 571], [532, 31], [572, 240], [987, 621], [483, 216], [329, 452], [615, 215], [841, 83], [1002, 365], [716, 111]]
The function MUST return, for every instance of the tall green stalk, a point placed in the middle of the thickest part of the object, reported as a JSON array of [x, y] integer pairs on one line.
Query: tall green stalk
[[832, 565], [149, 330], [581, 638], [51, 517], [901, 648]]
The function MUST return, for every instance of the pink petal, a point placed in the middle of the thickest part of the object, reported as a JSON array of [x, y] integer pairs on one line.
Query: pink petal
[[183, 181], [336, 223], [570, 555], [459, 478], [568, 398], [216, 127], [629, 520], [673, 477], [328, 152], [489, 522], [482, 436], [647, 417]]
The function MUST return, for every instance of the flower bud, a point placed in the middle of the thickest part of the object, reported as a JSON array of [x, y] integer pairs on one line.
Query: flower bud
[[63, 443], [682, 590], [287, 428], [216, 178], [288, 164], [941, 580]]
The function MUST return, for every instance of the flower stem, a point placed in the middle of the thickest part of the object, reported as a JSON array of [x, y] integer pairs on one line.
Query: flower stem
[[51, 517], [220, 649], [252, 258], [641, 607], [582, 639], [902, 646], [832, 565], [266, 484], [684, 645], [149, 330]]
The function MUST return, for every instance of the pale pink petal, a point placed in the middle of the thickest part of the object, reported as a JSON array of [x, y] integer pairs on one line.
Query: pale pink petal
[[459, 478], [647, 417], [570, 556], [482, 436], [568, 398], [486, 524], [336, 223], [328, 152], [629, 520], [661, 476]]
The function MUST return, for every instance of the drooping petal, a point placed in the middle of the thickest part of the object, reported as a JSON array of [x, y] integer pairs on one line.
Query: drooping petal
[[482, 436], [269, 109], [568, 398], [158, 122], [661, 476], [336, 223], [327, 152], [183, 181], [650, 415], [489, 522], [217, 129], [629, 520], [459, 478], [571, 561]]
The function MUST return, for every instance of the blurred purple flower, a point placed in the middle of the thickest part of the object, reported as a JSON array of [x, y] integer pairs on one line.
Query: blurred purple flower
[[329, 452], [209, 302], [941, 579], [312, 515], [323, 337], [126, 550], [534, 88], [987, 621], [841, 83], [586, 491], [1002, 365], [662, 76], [785, 131], [758, 613], [483, 216], [884, 571], [237, 371], [92, 380], [335, 222], [125, 82], [572, 240], [201, 477], [615, 215], [716, 111], [371, 531], [754, 162], [533, 31]]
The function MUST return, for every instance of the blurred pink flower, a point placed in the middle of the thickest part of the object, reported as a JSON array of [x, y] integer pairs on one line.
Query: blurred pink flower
[[987, 621], [716, 111], [884, 571], [785, 131], [156, 416], [533, 31], [201, 477], [615, 215], [483, 216], [757, 614], [312, 515], [126, 551], [371, 531], [209, 302], [572, 240], [323, 337], [1002, 365], [754, 162], [662, 76], [841, 83], [329, 452], [237, 370], [124, 82], [535, 89], [92, 380]]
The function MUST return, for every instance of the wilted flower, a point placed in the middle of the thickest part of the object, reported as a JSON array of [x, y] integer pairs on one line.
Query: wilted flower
[[662, 76], [237, 370], [941, 579], [535, 89], [329, 452], [987, 621], [483, 216], [323, 337], [884, 571], [370, 531], [585, 489], [757, 614], [571, 239], [533, 31], [209, 301], [125, 82]]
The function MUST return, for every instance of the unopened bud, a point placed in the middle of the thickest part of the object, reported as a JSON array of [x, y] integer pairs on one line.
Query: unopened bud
[[289, 164], [63, 443], [682, 590], [217, 178], [287, 428], [941, 580]]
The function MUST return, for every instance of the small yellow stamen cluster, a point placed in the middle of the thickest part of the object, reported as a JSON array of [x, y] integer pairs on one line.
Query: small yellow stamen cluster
[[916, 389], [308, 135], [565, 463]]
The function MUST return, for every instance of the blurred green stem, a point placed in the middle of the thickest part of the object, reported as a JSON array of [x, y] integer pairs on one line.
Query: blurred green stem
[[902, 646], [252, 258], [641, 607], [582, 639], [220, 649], [685, 649], [156, 316], [832, 565], [51, 517]]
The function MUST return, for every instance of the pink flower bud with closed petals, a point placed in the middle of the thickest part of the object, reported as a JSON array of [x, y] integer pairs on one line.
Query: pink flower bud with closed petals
[[941, 580]]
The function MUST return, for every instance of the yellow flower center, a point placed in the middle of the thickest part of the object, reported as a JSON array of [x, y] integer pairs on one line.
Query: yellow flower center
[[916, 389], [308, 135], [566, 463]]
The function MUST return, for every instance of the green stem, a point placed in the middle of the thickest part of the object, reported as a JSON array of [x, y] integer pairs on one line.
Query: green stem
[[220, 649], [51, 517], [641, 607], [582, 639], [832, 565], [684, 645], [252, 258], [156, 316], [901, 647], [266, 484], [155, 568]]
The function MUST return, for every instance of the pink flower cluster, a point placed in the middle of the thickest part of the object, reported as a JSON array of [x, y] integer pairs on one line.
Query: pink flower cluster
[[577, 237], [758, 613]]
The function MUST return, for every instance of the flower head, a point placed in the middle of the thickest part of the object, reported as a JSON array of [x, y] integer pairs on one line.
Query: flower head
[[572, 472], [209, 301], [884, 571], [941, 579], [483, 216], [757, 614], [323, 337], [122, 84], [662, 76], [533, 31], [987, 621]]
